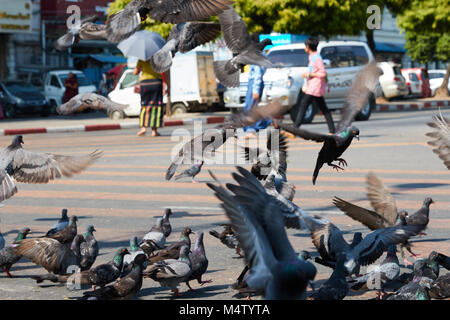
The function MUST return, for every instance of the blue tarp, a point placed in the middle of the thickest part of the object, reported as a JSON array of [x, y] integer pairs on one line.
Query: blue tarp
[[108, 59], [389, 47]]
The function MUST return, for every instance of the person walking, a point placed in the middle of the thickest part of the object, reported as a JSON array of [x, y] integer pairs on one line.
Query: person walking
[[71, 85], [255, 89], [151, 91], [315, 80]]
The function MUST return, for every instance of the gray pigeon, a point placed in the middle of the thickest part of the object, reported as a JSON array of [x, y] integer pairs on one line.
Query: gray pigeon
[[62, 223], [183, 38], [421, 217], [125, 288], [441, 138], [124, 23], [274, 266], [88, 249], [153, 240], [129, 258], [228, 237], [7, 254], [86, 30], [67, 234], [89, 100], [440, 288], [245, 50], [166, 226], [171, 272], [191, 172], [443, 260], [418, 289], [379, 275], [336, 287], [33, 167], [199, 262]]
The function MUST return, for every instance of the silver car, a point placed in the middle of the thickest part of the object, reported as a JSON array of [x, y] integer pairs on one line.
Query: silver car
[[343, 60]]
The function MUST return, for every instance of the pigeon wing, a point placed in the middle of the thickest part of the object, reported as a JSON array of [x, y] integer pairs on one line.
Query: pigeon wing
[[381, 199], [234, 30], [441, 138]]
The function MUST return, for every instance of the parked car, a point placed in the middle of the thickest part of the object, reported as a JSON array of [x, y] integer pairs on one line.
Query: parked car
[[422, 75], [19, 97], [436, 79], [343, 60], [412, 82], [54, 86], [193, 86], [392, 82]]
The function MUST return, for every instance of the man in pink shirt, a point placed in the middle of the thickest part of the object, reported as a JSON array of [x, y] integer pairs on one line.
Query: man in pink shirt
[[315, 85]]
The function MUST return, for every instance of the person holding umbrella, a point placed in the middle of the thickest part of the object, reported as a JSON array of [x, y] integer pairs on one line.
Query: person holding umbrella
[[151, 91], [143, 45]]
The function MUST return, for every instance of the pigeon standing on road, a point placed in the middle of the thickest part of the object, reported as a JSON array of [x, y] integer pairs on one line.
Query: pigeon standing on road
[[127, 21], [173, 251], [33, 167], [62, 223], [183, 38], [8, 256], [67, 234], [88, 249], [125, 288], [421, 217], [191, 172], [171, 272], [129, 258], [239, 42], [199, 262], [228, 237], [441, 138], [85, 30], [334, 145], [153, 240], [89, 100], [440, 288], [166, 226]]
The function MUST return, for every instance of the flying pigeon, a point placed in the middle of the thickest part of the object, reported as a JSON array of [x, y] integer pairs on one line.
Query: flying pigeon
[[33, 167], [199, 262], [125, 288], [273, 264], [89, 100], [441, 138], [245, 50], [124, 23], [85, 30], [191, 172], [62, 223], [88, 249], [8, 256], [334, 145], [171, 272], [183, 38]]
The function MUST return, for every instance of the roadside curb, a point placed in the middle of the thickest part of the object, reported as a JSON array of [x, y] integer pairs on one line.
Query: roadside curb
[[411, 106], [108, 126]]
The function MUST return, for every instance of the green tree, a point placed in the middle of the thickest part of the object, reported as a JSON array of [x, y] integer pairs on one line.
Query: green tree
[[426, 24], [162, 28]]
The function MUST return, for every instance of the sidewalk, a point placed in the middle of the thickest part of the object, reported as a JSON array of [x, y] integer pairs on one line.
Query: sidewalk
[[96, 121]]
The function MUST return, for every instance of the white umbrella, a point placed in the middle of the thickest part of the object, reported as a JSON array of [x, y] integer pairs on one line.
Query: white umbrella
[[142, 44]]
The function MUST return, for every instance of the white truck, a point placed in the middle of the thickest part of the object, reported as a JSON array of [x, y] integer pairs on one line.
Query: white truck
[[54, 86], [343, 59], [192, 81]]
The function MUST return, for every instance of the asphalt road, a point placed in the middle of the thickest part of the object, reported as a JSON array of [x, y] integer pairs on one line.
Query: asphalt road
[[124, 192]]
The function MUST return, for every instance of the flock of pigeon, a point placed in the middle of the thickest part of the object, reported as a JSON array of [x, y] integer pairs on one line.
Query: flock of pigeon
[[259, 204]]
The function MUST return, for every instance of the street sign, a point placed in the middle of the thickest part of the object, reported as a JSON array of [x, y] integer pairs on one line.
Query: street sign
[[15, 16]]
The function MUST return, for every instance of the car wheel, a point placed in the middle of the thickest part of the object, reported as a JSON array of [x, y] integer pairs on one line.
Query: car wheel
[[117, 115], [9, 111], [53, 106], [178, 108], [366, 111], [235, 110], [309, 114]]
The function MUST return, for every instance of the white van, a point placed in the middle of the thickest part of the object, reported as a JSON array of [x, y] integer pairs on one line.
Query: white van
[[192, 81], [54, 86], [343, 60], [392, 81]]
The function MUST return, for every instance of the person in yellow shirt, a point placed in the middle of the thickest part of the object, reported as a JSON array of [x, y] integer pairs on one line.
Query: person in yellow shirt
[[151, 91]]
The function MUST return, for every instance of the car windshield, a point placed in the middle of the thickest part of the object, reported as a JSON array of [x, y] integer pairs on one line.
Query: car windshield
[[82, 79], [21, 87], [288, 58], [397, 71]]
